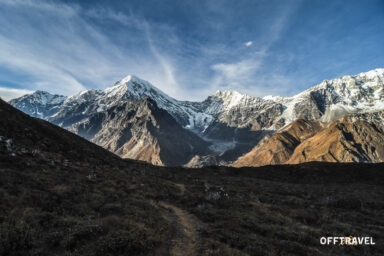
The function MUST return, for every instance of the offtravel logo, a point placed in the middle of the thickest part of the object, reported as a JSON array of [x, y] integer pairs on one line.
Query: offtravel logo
[[347, 241]]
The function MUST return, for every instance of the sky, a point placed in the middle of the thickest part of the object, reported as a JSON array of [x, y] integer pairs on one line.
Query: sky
[[189, 49]]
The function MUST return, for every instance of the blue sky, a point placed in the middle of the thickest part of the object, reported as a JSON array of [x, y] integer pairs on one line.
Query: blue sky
[[189, 49]]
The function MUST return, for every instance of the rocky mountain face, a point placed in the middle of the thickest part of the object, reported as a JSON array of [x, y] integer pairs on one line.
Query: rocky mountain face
[[346, 140], [332, 99], [227, 124], [234, 114], [82, 105], [353, 138], [278, 147], [140, 130]]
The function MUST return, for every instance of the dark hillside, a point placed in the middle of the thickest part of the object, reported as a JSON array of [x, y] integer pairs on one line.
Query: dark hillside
[[62, 195]]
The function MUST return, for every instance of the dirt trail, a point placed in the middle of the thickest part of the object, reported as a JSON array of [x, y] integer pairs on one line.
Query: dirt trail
[[185, 240], [181, 187]]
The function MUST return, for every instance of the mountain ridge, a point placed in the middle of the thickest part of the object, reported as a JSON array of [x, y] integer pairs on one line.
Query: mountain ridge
[[359, 87], [229, 121]]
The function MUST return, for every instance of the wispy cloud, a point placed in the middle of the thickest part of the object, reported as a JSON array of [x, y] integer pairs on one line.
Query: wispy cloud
[[10, 93], [188, 50], [61, 51], [249, 43], [235, 73], [47, 77], [244, 74], [163, 61]]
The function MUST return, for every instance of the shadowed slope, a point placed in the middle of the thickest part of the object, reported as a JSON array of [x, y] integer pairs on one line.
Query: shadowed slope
[[63, 195]]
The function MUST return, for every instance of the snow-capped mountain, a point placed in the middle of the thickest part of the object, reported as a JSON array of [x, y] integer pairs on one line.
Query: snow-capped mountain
[[237, 112], [335, 98], [80, 106], [139, 129], [39, 104], [328, 100], [230, 121]]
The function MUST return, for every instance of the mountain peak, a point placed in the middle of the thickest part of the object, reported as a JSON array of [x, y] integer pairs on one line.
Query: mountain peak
[[41, 92], [36, 94], [39, 103], [136, 88], [227, 94], [378, 72], [41, 97], [131, 78]]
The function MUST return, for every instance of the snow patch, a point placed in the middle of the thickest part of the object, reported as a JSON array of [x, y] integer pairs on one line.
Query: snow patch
[[101, 107]]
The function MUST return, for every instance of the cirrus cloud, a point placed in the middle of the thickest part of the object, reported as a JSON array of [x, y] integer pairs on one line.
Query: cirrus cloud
[[11, 93]]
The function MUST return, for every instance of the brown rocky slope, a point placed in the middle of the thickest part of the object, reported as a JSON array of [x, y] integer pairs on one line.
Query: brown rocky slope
[[344, 140], [278, 147], [354, 138]]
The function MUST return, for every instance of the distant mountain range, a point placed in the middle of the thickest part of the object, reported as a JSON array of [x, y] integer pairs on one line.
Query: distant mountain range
[[338, 120]]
